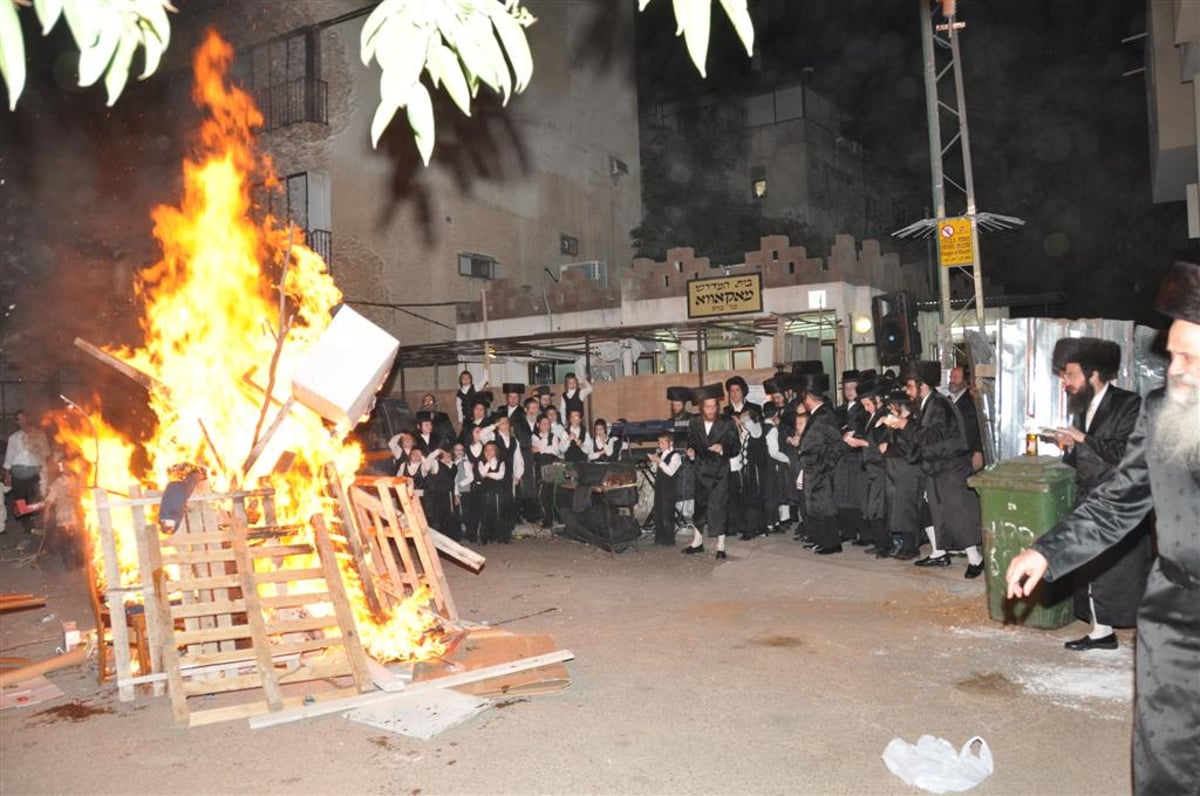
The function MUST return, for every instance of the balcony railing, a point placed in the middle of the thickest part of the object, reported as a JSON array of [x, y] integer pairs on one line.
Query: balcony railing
[[300, 100], [321, 241]]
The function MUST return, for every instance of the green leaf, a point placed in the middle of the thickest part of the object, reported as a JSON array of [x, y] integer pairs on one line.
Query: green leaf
[[383, 117], [420, 119], [154, 13], [368, 39], [94, 60], [48, 12], [694, 18], [154, 50], [493, 67], [444, 68], [512, 34], [403, 55], [84, 17], [12, 52], [739, 15], [118, 71]]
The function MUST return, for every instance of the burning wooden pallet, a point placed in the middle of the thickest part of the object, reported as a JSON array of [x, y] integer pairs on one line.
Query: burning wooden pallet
[[232, 607]]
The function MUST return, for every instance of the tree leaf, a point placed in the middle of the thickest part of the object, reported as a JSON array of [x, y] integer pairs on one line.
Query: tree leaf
[[12, 53], [368, 39], [402, 54], [94, 60], [383, 117], [694, 18], [739, 15], [444, 68], [512, 35], [84, 17], [48, 12], [153, 48], [154, 12], [420, 119], [118, 71]]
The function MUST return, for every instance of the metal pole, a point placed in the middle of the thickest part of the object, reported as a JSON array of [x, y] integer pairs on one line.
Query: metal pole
[[935, 148], [968, 172]]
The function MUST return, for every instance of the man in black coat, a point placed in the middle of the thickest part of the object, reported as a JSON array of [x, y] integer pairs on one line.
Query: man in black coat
[[1160, 472], [936, 432], [821, 448], [712, 442], [960, 393], [1102, 418], [737, 389], [849, 481]]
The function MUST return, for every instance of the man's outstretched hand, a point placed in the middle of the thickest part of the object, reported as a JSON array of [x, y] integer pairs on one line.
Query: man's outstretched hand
[[1024, 573]]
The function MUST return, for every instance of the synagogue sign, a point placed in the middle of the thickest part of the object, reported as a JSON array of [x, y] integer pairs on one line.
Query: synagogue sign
[[725, 295]]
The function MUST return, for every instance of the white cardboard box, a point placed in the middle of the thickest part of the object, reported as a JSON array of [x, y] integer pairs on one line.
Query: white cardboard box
[[342, 371]]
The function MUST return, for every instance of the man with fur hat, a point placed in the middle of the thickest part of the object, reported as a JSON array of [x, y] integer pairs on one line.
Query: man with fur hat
[[677, 400], [712, 443], [940, 443], [512, 408], [1102, 418], [821, 448], [1160, 472], [849, 481]]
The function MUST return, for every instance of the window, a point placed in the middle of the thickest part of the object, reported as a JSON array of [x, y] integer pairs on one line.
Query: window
[[568, 245], [817, 300], [666, 280], [791, 266], [741, 359], [283, 75], [303, 199], [645, 365], [478, 266]]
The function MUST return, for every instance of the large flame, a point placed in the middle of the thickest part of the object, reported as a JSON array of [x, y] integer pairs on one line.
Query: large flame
[[213, 313]]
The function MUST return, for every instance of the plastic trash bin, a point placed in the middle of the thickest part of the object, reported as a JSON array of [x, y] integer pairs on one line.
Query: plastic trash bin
[[1020, 499]]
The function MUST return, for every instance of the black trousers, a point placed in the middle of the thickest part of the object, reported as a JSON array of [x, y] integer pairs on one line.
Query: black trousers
[[822, 530]]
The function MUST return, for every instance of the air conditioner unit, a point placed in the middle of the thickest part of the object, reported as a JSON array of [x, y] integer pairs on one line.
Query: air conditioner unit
[[592, 269], [478, 266]]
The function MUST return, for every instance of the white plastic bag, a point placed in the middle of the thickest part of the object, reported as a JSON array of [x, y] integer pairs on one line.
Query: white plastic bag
[[932, 764]]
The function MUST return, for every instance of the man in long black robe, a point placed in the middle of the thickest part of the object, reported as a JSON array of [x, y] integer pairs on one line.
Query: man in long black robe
[[712, 442], [1161, 472]]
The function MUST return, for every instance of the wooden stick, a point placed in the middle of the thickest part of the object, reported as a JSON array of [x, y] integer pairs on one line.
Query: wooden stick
[[146, 381], [460, 553], [25, 602], [449, 681], [265, 439], [72, 658]]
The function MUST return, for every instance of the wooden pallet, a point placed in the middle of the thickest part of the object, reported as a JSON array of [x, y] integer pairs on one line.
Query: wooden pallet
[[392, 543], [244, 614]]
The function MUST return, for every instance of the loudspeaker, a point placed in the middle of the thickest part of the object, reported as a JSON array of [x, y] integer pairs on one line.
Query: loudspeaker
[[896, 337]]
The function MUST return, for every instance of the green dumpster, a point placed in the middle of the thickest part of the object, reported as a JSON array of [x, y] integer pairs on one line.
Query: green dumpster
[[1020, 499]]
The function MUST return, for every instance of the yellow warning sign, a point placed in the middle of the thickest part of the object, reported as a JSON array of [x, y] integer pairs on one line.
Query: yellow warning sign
[[954, 242]]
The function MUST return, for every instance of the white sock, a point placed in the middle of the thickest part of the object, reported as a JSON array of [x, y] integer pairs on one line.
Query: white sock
[[697, 538], [974, 558], [1098, 630], [784, 514], [933, 548], [721, 542]]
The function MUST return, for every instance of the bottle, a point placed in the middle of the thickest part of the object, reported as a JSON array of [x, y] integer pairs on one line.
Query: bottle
[[1031, 444]]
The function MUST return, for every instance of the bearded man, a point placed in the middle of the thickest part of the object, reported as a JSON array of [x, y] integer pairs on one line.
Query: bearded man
[[1160, 471], [1102, 418]]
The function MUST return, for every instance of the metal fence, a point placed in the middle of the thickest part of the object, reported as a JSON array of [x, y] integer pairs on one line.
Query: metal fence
[[301, 100]]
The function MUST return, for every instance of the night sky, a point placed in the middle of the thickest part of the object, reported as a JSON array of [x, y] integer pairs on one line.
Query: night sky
[[1058, 136]]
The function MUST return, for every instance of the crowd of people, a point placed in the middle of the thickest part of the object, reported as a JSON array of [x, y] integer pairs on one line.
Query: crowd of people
[[885, 470]]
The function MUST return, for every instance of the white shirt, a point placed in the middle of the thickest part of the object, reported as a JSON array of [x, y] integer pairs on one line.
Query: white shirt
[[668, 463], [1092, 407], [25, 450]]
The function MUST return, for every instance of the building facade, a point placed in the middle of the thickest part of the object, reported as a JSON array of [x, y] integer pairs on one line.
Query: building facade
[[513, 192]]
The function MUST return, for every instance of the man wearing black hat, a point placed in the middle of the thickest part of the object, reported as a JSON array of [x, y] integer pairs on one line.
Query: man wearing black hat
[[677, 399], [1161, 472], [1102, 418], [737, 389], [940, 442], [480, 401], [821, 449], [712, 442], [849, 482], [512, 401], [428, 436], [959, 392], [524, 426], [443, 429]]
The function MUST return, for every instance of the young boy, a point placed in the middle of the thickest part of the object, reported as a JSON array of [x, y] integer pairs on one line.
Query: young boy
[[665, 462]]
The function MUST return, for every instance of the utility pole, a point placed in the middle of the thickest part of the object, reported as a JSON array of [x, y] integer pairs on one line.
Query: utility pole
[[950, 164]]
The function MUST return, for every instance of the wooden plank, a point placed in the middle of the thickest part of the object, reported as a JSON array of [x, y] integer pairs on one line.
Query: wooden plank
[[210, 635], [296, 599], [156, 629], [169, 650], [203, 584], [488, 648], [199, 557], [290, 575], [281, 627], [209, 608], [254, 615], [234, 656], [113, 599], [281, 550], [458, 552], [431, 565], [343, 705], [341, 606], [252, 709], [354, 540], [410, 577]]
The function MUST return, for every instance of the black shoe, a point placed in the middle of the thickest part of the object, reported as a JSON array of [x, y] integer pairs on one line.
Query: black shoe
[[1108, 642], [860, 543], [692, 550], [929, 561], [973, 571], [747, 536], [721, 555], [811, 545], [827, 550], [904, 555]]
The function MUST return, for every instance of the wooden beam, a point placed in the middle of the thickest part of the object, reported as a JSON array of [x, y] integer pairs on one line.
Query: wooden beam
[[145, 380]]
